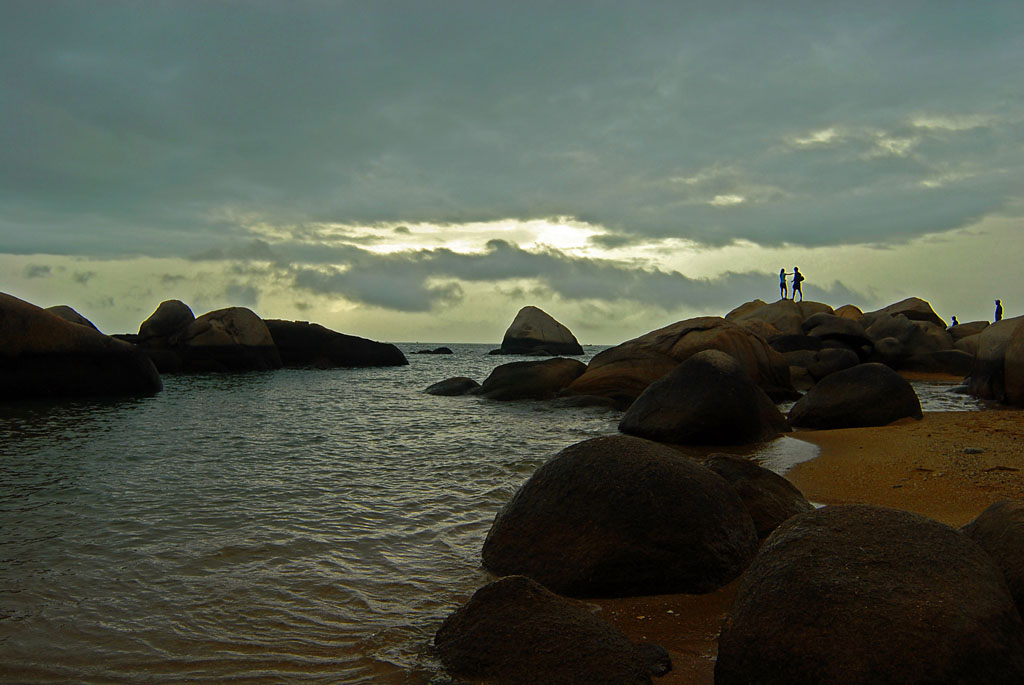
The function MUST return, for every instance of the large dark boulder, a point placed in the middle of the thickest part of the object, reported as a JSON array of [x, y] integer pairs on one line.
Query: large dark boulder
[[990, 372], [450, 387], [516, 631], [827, 326], [44, 356], [619, 516], [533, 380], [534, 331], [864, 395], [864, 595], [831, 360], [170, 318], [1000, 532], [770, 498], [707, 400], [785, 316], [304, 344], [623, 372]]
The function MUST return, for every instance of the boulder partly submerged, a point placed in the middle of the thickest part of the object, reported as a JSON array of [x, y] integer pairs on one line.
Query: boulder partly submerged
[[531, 380], [623, 372], [304, 344], [230, 339], [534, 331], [516, 631], [618, 516], [44, 356], [859, 594], [707, 400]]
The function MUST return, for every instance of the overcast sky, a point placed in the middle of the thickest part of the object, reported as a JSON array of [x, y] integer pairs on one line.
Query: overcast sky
[[421, 170]]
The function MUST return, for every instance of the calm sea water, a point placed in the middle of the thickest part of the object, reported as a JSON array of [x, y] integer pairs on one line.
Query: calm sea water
[[296, 525]]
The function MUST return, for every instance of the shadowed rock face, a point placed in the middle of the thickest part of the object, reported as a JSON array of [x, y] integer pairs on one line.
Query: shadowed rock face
[[860, 594], [619, 516], [770, 498], [459, 385], [864, 395], [516, 631], [533, 380], [1000, 532], [914, 308], [990, 373], [624, 371], [68, 314], [534, 331], [43, 355], [706, 400], [169, 319], [301, 343]]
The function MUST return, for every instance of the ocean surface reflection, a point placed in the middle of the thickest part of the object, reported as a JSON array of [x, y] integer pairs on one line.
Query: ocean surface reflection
[[285, 526]]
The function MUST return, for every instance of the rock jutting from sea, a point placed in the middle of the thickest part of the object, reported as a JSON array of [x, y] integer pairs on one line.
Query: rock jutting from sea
[[534, 331]]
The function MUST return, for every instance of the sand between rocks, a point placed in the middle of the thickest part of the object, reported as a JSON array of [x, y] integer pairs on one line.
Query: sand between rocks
[[948, 466]]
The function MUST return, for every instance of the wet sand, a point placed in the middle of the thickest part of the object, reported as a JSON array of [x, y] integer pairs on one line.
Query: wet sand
[[949, 466]]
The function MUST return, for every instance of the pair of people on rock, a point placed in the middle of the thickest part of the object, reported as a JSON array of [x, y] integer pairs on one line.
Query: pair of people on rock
[[798, 278]]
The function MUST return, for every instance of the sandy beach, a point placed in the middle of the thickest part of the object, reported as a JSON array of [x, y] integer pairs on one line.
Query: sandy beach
[[948, 466]]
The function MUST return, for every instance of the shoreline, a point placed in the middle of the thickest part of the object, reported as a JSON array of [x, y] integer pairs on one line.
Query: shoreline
[[949, 466]]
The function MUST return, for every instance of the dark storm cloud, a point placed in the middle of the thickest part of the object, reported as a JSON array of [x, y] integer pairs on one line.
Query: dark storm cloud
[[407, 281], [37, 271], [152, 127]]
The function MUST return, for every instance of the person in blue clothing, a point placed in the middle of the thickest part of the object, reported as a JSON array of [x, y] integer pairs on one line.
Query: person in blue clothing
[[999, 310], [798, 278], [782, 283]]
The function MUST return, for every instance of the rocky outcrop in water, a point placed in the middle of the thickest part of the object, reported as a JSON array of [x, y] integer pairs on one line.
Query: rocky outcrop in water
[[533, 380], [534, 331], [1000, 532], [304, 344], [230, 339], [44, 356], [459, 385], [864, 395], [621, 516], [516, 631], [860, 594], [623, 372], [707, 400], [770, 498]]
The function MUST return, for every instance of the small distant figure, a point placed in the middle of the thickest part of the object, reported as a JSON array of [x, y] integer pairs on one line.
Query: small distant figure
[[798, 278], [999, 310], [782, 283], [955, 322]]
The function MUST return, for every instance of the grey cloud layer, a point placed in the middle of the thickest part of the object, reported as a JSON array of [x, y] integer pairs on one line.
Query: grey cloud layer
[[149, 127], [426, 279]]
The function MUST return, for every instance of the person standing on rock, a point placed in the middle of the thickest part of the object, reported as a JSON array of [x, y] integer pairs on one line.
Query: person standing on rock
[[798, 278], [955, 322], [782, 283], [999, 310]]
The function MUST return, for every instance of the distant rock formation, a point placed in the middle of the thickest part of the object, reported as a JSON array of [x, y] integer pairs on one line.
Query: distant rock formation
[[436, 350], [68, 314], [301, 343], [623, 372], [534, 331], [44, 356]]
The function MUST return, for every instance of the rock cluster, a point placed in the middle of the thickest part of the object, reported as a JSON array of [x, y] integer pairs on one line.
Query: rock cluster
[[42, 355]]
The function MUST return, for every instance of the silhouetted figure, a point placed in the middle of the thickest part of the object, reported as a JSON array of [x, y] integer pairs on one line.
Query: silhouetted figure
[[782, 283], [955, 322], [798, 278], [999, 310]]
